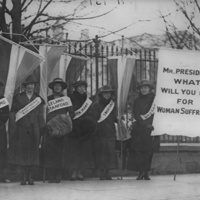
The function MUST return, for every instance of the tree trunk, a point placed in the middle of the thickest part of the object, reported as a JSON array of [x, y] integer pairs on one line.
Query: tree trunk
[[3, 24], [16, 20]]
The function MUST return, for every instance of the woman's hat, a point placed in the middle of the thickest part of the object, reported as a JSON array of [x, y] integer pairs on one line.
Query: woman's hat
[[105, 88], [30, 79], [79, 83], [60, 81], [145, 82]]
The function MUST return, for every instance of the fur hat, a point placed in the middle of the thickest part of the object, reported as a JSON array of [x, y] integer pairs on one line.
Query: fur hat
[[60, 81], [79, 83], [105, 88], [30, 79], [145, 82]]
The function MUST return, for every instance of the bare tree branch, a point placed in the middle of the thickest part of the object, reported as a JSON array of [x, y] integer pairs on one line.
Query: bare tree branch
[[197, 4], [31, 24], [27, 5], [187, 16]]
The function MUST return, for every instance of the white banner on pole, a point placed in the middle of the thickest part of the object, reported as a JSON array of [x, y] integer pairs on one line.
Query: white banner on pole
[[177, 110]]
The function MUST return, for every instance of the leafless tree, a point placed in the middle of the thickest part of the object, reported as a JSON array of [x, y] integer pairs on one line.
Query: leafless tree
[[39, 17], [190, 10]]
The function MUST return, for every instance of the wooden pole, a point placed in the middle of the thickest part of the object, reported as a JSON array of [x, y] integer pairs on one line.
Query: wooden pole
[[121, 142], [177, 157]]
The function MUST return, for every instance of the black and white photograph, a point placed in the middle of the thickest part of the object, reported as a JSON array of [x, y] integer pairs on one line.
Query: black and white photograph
[[99, 99]]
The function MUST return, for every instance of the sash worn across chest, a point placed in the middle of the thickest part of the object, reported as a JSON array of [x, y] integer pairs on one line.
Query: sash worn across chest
[[3, 102], [83, 108], [58, 103], [150, 112], [28, 108], [106, 111]]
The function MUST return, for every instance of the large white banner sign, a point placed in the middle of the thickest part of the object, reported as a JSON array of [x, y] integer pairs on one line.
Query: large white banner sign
[[177, 102]]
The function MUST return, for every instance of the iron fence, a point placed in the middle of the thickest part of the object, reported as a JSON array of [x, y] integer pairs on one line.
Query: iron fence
[[96, 72]]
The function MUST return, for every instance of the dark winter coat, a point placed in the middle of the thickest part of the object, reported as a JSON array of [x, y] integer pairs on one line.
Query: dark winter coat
[[79, 152], [4, 114], [142, 143], [53, 147], [105, 155], [25, 139]]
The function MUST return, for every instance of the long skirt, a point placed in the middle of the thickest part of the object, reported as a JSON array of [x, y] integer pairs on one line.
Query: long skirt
[[139, 161], [79, 154], [24, 147], [105, 154]]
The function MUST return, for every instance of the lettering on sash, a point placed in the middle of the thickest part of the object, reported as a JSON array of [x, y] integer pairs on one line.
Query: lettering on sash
[[107, 110], [83, 109], [28, 108], [58, 103], [3, 102], [151, 112]]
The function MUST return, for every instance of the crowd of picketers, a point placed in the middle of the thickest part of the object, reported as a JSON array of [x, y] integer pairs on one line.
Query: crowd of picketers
[[74, 132]]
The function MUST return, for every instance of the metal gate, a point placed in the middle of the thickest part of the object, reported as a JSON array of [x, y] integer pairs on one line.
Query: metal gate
[[96, 72]]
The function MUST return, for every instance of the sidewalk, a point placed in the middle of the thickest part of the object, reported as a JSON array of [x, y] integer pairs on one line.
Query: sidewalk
[[186, 187]]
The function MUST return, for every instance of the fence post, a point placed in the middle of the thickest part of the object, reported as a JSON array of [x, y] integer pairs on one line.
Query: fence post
[[96, 55]]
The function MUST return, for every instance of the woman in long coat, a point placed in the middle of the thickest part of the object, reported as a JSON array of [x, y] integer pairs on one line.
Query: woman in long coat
[[80, 154], [53, 147], [4, 114], [27, 112], [104, 112], [142, 143]]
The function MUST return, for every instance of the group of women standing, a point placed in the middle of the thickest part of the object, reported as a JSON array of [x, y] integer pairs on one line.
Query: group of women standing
[[78, 134]]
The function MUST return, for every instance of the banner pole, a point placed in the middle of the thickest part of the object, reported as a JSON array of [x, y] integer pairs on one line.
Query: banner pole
[[177, 157], [121, 142]]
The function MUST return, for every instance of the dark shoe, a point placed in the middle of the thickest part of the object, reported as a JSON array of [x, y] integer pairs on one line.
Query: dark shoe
[[50, 181], [58, 176], [108, 178], [23, 177], [72, 179], [107, 175], [146, 177], [23, 183], [102, 175], [31, 182], [57, 180], [80, 178], [6, 180], [140, 176]]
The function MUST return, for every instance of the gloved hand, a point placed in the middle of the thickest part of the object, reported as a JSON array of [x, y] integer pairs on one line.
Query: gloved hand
[[150, 127]]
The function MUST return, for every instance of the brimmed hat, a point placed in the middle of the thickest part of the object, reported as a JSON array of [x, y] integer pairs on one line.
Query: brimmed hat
[[145, 82], [30, 79], [60, 81], [79, 83], [105, 88]]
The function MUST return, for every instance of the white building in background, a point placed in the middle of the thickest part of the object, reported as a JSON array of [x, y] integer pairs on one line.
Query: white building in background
[[84, 34]]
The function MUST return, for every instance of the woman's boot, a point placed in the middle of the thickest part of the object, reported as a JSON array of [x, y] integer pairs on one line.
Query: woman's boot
[[107, 175], [51, 175], [102, 174], [74, 175], [58, 176], [30, 179], [79, 176], [146, 176], [23, 176], [140, 176]]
